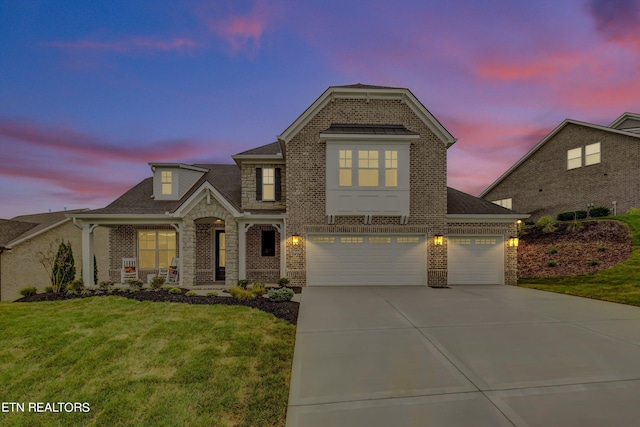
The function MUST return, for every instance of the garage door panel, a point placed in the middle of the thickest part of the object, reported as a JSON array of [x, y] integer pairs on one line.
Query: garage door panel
[[475, 260], [365, 260]]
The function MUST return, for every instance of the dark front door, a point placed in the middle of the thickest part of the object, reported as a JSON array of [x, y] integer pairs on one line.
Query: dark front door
[[221, 256]]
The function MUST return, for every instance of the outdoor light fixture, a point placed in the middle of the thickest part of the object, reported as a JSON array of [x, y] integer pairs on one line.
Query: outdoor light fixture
[[295, 239], [513, 242], [437, 239]]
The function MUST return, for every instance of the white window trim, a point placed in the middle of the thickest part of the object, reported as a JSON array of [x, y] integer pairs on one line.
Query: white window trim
[[156, 249], [266, 185], [575, 158], [594, 157]]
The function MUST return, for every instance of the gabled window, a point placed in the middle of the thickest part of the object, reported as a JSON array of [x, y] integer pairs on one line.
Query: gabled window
[[505, 203], [367, 168], [156, 248], [344, 179], [574, 158], [592, 154], [268, 182], [167, 182]]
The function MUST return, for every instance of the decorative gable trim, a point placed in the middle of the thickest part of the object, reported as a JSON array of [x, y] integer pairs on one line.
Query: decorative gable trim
[[368, 93], [617, 122], [206, 190]]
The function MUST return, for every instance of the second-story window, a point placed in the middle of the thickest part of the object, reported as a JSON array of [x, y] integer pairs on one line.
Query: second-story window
[[390, 168], [344, 179], [592, 154], [574, 158], [167, 182], [367, 168], [268, 182]]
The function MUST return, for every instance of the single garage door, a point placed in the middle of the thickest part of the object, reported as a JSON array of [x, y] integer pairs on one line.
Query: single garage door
[[366, 260], [475, 260]]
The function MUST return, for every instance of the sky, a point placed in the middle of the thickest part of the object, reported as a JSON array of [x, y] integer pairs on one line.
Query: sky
[[92, 91]]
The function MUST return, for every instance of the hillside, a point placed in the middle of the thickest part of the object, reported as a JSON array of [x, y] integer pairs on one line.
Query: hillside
[[596, 246]]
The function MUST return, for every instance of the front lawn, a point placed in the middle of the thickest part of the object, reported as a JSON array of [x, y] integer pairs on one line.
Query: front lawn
[[145, 363], [620, 283]]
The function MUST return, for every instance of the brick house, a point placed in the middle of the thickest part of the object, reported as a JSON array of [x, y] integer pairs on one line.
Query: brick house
[[353, 192], [576, 166]]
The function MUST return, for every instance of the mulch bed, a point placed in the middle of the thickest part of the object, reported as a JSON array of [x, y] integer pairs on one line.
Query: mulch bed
[[284, 310], [575, 250]]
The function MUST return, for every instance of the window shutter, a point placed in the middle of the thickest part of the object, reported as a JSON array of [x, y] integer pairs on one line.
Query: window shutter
[[278, 190], [258, 183]]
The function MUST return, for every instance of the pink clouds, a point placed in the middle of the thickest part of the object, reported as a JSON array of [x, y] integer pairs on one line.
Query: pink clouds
[[132, 44]]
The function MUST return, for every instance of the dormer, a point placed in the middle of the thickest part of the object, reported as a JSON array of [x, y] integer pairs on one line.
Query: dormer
[[263, 173], [628, 122], [171, 181]]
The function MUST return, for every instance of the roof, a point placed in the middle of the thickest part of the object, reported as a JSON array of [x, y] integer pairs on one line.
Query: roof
[[24, 227], [272, 149], [369, 129], [459, 203], [629, 122], [547, 139], [138, 201], [366, 86]]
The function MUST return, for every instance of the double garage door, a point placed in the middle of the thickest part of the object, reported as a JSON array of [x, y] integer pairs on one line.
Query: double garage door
[[383, 260]]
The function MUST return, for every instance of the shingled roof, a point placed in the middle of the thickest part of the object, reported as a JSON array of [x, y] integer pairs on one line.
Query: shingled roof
[[463, 203], [26, 226], [264, 150], [369, 129]]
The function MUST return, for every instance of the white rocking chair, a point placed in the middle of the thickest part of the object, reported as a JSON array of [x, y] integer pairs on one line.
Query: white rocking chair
[[129, 270], [170, 274]]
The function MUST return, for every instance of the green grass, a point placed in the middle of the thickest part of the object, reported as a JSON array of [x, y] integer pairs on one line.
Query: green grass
[[618, 284], [144, 363]]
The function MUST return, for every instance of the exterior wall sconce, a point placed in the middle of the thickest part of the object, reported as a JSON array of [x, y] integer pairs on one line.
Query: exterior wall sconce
[[437, 239], [513, 242], [295, 239]]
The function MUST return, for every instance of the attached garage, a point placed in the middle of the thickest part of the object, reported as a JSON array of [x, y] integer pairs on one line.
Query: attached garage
[[475, 260], [366, 260]]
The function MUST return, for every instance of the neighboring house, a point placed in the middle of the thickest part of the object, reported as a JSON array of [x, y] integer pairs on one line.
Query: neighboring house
[[24, 238], [353, 192], [578, 165]]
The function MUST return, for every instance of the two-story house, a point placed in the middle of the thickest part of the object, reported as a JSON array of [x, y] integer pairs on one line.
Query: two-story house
[[353, 192]]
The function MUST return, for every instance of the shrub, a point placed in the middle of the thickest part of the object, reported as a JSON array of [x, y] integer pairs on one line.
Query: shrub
[[594, 263], [283, 281], [242, 294], [243, 283], [529, 222], [547, 224], [64, 269], [28, 291], [568, 216], [48, 289], [174, 290], [191, 293], [106, 285], [553, 251], [574, 226], [282, 294], [552, 263], [212, 294], [602, 248], [633, 211], [135, 284], [85, 292], [599, 211], [258, 289], [76, 285], [157, 282]]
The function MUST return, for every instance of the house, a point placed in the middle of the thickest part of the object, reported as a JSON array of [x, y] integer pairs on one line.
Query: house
[[353, 192], [578, 165], [24, 238]]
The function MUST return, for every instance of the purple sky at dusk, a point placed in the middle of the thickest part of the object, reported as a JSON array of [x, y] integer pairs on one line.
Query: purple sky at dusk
[[90, 92]]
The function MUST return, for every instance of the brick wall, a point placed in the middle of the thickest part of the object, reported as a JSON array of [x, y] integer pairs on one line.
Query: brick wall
[[262, 268], [542, 185], [307, 180]]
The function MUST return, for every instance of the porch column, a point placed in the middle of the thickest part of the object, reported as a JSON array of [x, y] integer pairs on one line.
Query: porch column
[[242, 249], [87, 254], [180, 266], [188, 253], [282, 230]]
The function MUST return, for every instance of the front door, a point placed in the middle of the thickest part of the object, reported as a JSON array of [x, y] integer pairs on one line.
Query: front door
[[221, 256]]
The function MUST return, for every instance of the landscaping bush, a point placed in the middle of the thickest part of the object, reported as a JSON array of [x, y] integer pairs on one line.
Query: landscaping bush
[[568, 216], [552, 263], [258, 289], [242, 294], [135, 284], [212, 294], [157, 282], [174, 290], [191, 293], [243, 283], [282, 294], [283, 282], [547, 224], [553, 251], [28, 291], [599, 211], [106, 285], [602, 248], [594, 263], [48, 289], [633, 211], [77, 285]]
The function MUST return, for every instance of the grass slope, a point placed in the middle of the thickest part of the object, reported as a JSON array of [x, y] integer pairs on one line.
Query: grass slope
[[618, 284], [145, 363]]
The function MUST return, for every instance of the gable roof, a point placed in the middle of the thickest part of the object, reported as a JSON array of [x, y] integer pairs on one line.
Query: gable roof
[[547, 139], [459, 203], [361, 91], [138, 201], [264, 150], [629, 122], [25, 227]]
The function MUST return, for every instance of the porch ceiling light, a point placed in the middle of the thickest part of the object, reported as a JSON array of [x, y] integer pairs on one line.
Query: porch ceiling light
[[513, 242], [295, 239], [438, 239]]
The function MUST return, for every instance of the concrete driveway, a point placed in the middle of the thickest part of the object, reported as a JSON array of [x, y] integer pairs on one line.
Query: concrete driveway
[[463, 356]]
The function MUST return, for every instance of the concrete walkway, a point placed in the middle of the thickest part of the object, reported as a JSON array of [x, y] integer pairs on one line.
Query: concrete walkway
[[464, 356]]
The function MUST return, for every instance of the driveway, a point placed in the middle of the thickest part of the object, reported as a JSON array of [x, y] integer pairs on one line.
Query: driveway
[[463, 356]]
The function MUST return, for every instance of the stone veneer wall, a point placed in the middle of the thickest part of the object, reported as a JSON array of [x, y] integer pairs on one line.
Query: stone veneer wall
[[262, 268], [492, 228], [306, 185], [205, 248], [249, 201]]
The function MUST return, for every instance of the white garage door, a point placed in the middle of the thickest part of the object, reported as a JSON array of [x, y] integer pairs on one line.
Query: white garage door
[[475, 260], [365, 260]]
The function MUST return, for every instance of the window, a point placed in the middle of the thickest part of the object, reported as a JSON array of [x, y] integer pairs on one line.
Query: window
[[323, 239], [592, 154], [460, 241], [156, 248], [505, 203], [390, 168], [268, 243], [486, 241], [344, 179], [574, 158], [351, 240], [166, 179], [268, 184], [367, 168], [407, 239], [379, 239]]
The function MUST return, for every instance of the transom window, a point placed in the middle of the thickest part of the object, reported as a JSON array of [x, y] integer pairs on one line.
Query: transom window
[[574, 158], [407, 239], [351, 240], [460, 241], [156, 248], [367, 168], [344, 179], [167, 181], [592, 154], [379, 239], [323, 239], [268, 184], [486, 241], [391, 168]]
